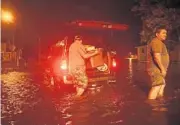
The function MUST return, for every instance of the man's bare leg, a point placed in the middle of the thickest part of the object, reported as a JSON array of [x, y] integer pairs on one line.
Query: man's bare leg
[[79, 91], [161, 91], [154, 92]]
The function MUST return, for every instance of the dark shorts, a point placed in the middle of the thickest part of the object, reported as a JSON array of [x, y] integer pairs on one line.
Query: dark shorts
[[156, 77], [80, 78]]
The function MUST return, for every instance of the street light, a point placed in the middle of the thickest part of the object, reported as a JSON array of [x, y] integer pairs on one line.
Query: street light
[[7, 16]]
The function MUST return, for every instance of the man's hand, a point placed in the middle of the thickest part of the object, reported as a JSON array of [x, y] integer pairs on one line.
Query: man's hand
[[96, 51], [89, 54], [157, 57]]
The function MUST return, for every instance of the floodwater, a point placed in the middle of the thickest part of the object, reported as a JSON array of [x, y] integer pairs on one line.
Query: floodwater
[[27, 100]]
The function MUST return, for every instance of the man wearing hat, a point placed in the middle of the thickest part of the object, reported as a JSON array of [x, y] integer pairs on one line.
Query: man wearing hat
[[77, 56]]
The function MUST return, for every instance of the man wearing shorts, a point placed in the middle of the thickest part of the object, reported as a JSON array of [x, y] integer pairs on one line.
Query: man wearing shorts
[[77, 67], [158, 62]]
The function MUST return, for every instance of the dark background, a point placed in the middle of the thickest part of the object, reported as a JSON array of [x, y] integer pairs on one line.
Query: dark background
[[43, 20]]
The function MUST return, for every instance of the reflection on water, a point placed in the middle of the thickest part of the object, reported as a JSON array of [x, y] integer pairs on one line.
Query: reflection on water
[[130, 71], [62, 106], [18, 93], [97, 108], [106, 104]]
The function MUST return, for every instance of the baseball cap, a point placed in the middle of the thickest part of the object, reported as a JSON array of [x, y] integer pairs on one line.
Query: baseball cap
[[77, 37]]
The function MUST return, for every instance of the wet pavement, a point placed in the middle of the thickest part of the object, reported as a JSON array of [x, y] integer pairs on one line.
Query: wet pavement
[[26, 99]]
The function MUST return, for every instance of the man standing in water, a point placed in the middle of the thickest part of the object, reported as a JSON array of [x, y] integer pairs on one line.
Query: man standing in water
[[158, 62], [77, 56]]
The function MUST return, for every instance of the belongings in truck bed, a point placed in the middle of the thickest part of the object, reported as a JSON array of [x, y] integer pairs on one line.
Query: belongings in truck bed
[[97, 60]]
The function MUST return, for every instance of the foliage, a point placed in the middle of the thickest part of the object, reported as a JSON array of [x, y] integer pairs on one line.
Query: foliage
[[157, 14]]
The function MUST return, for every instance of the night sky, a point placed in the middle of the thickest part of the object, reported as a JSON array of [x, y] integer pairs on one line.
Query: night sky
[[43, 18]]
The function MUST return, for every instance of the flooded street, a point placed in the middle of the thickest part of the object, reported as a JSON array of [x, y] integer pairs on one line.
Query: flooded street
[[44, 42], [27, 100]]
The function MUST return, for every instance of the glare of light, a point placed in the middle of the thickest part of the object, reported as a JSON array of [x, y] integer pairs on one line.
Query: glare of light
[[109, 26], [104, 26], [130, 60], [80, 24], [65, 78], [64, 65], [60, 43], [114, 63], [7, 16]]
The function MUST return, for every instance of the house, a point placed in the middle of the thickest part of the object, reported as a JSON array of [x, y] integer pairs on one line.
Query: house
[[142, 53], [7, 52]]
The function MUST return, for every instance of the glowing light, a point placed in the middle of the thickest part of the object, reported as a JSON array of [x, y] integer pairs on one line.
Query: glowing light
[[114, 63], [80, 24], [7, 16], [64, 65], [109, 26]]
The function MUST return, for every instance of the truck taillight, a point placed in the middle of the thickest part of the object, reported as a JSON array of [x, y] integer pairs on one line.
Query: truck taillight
[[114, 63], [64, 65]]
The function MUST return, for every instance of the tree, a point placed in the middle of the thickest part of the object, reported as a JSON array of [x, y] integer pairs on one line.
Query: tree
[[153, 14]]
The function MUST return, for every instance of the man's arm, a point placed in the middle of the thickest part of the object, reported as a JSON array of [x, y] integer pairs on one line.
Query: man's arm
[[157, 49], [157, 58], [86, 55]]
